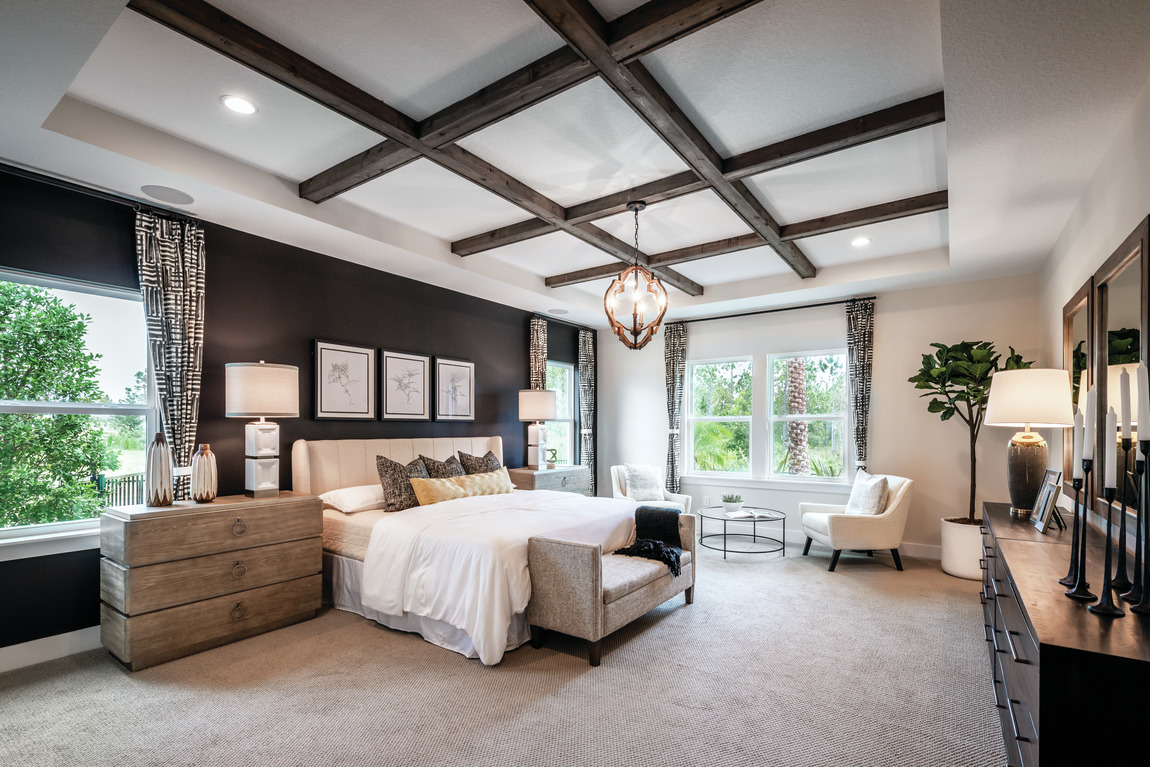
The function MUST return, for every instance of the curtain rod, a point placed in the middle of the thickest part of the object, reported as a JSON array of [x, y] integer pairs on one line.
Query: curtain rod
[[70, 186], [780, 309]]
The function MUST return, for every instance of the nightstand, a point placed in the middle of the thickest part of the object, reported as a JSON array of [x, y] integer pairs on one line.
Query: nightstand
[[568, 479], [179, 579]]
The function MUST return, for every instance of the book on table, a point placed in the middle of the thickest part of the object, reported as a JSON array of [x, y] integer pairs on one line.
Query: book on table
[[751, 514]]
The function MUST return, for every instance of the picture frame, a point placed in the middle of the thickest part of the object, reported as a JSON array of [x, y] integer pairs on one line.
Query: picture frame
[[405, 380], [1044, 506], [344, 382], [454, 390]]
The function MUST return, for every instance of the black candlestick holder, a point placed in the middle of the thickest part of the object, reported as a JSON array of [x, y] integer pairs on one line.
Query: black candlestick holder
[[1081, 590], [1106, 604], [1143, 606], [1072, 573], [1122, 582], [1134, 595]]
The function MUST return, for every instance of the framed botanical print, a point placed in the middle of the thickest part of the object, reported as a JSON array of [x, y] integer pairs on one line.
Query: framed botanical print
[[344, 382], [454, 390], [406, 383]]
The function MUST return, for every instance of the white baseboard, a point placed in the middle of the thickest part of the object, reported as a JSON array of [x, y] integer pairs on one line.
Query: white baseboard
[[921, 550], [49, 648]]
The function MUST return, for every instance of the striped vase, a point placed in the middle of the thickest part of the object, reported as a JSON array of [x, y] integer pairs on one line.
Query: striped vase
[[204, 479], [158, 473]]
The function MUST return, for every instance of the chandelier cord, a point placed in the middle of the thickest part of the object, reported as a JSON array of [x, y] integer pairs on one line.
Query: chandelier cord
[[636, 236]]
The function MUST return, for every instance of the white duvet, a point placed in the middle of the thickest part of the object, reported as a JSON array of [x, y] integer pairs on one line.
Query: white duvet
[[464, 562]]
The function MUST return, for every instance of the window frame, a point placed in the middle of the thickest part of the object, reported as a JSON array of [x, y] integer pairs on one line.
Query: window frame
[[772, 419], [72, 535], [689, 421], [571, 419]]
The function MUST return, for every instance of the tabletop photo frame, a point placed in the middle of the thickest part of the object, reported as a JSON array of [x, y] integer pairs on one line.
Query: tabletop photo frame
[[1044, 506]]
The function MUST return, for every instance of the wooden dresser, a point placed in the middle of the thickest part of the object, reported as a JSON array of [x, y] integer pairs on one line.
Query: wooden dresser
[[568, 479], [179, 579], [1066, 681]]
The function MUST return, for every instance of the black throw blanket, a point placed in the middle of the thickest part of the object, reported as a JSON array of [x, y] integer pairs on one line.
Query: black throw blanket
[[656, 537]]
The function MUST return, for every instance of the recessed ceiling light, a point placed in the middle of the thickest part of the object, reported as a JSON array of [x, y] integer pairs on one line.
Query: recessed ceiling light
[[557, 311], [167, 194], [860, 242], [239, 104]]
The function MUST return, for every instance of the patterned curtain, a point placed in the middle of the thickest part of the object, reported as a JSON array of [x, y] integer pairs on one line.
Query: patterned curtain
[[860, 351], [170, 258], [538, 353], [676, 359], [587, 402]]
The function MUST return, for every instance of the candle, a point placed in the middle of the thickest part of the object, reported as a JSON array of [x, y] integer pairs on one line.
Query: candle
[[1076, 461], [1089, 429], [1124, 401], [1082, 387], [1111, 436], [1143, 401]]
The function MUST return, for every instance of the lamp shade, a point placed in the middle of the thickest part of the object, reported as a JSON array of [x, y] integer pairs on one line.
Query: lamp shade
[[537, 404], [259, 389], [1037, 397]]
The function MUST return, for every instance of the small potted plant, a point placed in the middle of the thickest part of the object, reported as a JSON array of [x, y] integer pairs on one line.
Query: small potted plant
[[732, 502]]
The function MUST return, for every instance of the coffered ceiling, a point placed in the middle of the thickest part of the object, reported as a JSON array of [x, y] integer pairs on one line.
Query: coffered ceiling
[[490, 145]]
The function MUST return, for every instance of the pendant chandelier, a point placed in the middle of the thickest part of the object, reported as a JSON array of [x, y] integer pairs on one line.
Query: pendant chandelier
[[636, 297]]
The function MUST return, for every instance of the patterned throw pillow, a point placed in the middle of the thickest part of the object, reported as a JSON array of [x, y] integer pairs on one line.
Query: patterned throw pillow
[[396, 481], [443, 469], [643, 482], [473, 465], [868, 496]]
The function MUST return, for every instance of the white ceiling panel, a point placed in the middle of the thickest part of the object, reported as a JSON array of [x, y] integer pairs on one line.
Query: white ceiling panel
[[418, 57], [732, 267], [784, 68], [900, 166], [577, 146], [435, 200], [598, 288], [551, 254], [690, 220], [889, 238], [150, 74]]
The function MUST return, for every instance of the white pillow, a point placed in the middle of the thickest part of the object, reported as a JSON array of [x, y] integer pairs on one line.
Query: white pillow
[[868, 496], [352, 499], [643, 483]]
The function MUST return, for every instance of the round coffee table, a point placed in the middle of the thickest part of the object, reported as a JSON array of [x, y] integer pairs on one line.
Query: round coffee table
[[744, 543]]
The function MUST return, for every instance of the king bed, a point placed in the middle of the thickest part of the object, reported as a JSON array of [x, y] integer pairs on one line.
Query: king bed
[[454, 572]]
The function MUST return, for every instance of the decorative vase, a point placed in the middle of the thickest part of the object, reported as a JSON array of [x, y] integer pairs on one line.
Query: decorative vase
[[158, 473], [961, 549], [204, 478]]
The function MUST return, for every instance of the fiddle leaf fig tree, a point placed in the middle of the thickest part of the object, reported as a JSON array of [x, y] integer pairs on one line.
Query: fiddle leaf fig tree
[[957, 379]]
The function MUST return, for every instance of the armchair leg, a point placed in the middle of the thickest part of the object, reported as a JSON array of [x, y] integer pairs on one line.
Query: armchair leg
[[537, 636], [690, 595], [594, 652], [870, 552], [807, 547], [897, 559], [834, 560]]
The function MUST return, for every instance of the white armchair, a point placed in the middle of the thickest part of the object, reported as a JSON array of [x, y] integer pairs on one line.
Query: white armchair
[[827, 524], [670, 500]]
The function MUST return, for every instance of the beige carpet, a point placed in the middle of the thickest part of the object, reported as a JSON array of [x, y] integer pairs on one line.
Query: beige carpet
[[778, 662]]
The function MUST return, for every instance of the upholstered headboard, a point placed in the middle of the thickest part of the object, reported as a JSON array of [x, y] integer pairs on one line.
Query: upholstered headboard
[[327, 464]]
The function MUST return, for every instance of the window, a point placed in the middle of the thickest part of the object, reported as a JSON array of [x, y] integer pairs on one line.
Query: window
[[74, 400], [719, 416], [808, 415], [561, 431]]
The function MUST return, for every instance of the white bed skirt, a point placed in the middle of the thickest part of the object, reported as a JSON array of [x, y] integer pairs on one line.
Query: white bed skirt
[[342, 578]]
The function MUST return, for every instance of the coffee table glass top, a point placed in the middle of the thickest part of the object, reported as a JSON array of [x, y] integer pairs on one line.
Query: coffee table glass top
[[752, 512]]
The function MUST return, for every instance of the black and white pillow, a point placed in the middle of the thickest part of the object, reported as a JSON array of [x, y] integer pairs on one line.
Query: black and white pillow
[[443, 469], [473, 465], [396, 481]]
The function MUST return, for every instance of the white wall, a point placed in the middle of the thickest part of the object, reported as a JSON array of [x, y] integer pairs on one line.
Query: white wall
[[905, 439]]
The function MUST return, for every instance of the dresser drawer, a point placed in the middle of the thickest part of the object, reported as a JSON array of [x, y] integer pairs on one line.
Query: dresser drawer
[[146, 540], [144, 589], [145, 640]]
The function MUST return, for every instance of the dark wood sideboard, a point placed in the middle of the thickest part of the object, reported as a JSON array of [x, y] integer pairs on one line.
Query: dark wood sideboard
[[1086, 677]]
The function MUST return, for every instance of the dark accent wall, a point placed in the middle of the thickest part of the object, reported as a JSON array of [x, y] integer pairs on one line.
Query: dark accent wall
[[269, 301]]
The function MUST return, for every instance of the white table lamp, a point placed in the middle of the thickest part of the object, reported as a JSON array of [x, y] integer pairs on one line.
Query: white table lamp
[[537, 405], [261, 390]]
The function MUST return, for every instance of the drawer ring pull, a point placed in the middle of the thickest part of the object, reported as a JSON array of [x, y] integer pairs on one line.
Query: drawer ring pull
[[239, 612], [239, 528], [240, 570]]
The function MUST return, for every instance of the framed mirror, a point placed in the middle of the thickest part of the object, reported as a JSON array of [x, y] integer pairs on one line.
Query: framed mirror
[[1120, 291], [1077, 345]]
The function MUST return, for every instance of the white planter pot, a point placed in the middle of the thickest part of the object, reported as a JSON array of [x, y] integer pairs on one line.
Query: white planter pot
[[730, 507], [961, 550]]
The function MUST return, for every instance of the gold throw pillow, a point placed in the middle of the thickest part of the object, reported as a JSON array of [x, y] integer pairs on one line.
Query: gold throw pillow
[[436, 490]]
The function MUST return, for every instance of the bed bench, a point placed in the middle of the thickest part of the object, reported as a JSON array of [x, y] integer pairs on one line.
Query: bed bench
[[578, 590]]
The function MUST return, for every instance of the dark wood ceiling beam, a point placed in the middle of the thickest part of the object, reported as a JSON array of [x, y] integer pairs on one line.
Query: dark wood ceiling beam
[[873, 214], [582, 275], [707, 250], [884, 123], [660, 22], [656, 191], [504, 235], [357, 170], [585, 31]]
